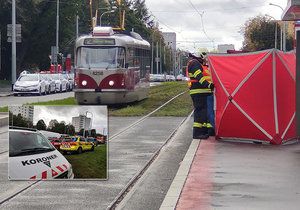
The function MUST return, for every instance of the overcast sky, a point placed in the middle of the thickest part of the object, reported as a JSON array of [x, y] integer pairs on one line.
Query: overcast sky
[[65, 113], [222, 19]]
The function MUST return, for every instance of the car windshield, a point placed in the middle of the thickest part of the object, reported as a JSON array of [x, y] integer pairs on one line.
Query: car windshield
[[27, 143], [29, 77], [100, 57], [70, 139]]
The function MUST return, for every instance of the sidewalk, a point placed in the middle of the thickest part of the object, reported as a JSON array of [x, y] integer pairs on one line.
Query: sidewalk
[[231, 175]]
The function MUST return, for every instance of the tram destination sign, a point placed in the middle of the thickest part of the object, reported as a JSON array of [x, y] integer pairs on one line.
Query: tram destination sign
[[99, 41]]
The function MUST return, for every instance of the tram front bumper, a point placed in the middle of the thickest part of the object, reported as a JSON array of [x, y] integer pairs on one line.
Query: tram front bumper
[[90, 96]]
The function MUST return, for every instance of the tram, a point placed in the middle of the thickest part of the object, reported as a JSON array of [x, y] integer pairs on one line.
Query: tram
[[111, 67]]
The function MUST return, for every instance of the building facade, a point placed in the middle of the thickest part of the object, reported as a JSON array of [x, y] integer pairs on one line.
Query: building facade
[[170, 40], [81, 122], [25, 111], [222, 48]]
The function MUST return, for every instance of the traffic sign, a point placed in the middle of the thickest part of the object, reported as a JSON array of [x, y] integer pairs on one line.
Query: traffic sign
[[18, 30], [18, 39]]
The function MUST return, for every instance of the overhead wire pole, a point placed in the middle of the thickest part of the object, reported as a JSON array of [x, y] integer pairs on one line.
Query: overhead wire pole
[[283, 31], [13, 44], [57, 34]]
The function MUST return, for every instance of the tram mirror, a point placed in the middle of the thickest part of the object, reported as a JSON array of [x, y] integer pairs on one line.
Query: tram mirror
[[126, 65]]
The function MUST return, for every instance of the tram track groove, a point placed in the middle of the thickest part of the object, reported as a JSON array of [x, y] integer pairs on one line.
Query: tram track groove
[[3, 152], [136, 177]]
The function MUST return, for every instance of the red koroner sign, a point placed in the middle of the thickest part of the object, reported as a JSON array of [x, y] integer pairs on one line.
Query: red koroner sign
[[255, 95]]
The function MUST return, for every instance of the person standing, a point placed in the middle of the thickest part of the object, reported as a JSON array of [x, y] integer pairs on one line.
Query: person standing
[[200, 86]]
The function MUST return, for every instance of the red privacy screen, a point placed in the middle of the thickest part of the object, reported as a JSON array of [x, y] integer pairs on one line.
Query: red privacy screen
[[255, 95]]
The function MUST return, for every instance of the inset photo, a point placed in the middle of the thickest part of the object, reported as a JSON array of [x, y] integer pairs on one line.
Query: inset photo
[[58, 142]]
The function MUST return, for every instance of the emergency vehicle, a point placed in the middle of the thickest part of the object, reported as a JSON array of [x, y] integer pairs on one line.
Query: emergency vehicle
[[32, 156], [77, 144]]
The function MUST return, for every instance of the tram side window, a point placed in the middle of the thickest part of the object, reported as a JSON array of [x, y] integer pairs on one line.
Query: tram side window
[[121, 58], [139, 58], [130, 57]]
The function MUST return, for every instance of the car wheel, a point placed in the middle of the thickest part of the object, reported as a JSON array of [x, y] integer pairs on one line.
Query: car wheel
[[93, 148], [79, 151], [60, 88], [15, 94], [40, 92]]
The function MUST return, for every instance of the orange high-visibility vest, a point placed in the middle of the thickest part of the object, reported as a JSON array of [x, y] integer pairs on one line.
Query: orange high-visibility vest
[[206, 75]]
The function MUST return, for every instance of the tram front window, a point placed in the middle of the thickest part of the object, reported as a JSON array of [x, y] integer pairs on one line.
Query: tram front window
[[101, 57]]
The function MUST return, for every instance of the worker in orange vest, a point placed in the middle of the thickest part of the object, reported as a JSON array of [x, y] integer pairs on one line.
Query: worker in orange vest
[[210, 104], [200, 86]]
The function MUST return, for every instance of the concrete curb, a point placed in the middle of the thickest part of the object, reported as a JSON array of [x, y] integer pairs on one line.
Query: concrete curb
[[6, 94], [173, 194], [3, 120]]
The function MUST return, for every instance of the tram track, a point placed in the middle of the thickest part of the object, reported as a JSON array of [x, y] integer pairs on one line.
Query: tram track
[[134, 179]]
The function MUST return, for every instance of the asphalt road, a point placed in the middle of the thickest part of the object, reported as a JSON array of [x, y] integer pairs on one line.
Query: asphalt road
[[127, 155], [20, 100]]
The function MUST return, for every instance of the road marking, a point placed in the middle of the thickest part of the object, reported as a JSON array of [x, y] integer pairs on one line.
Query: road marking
[[172, 196]]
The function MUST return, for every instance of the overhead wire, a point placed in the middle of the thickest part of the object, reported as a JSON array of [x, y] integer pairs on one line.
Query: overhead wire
[[202, 23]]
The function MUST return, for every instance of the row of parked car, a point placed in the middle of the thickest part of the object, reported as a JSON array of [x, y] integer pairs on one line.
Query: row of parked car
[[42, 84], [166, 77], [75, 144]]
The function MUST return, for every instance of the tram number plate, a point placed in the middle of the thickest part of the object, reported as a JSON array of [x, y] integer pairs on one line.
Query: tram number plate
[[97, 73]]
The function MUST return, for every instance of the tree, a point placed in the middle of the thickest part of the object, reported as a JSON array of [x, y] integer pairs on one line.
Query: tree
[[41, 125], [71, 130], [59, 128], [93, 133], [80, 133], [18, 120], [259, 34]]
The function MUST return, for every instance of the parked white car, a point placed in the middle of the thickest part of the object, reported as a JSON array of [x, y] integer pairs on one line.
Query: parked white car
[[29, 84], [180, 77], [60, 82], [170, 77], [33, 157], [50, 84], [71, 80]]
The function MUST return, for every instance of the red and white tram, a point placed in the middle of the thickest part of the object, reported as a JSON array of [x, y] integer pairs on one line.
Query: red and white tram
[[111, 67]]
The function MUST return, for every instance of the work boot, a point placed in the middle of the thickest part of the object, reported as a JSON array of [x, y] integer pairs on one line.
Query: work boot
[[211, 132]]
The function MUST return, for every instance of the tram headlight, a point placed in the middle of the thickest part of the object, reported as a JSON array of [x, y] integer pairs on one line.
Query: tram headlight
[[111, 83], [84, 82]]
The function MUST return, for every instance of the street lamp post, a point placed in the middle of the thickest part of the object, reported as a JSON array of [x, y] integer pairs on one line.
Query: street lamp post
[[275, 44], [111, 11], [283, 32]]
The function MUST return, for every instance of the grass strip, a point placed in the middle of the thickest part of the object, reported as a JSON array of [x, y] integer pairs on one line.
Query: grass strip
[[4, 109], [91, 164], [179, 107], [66, 101], [158, 95]]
